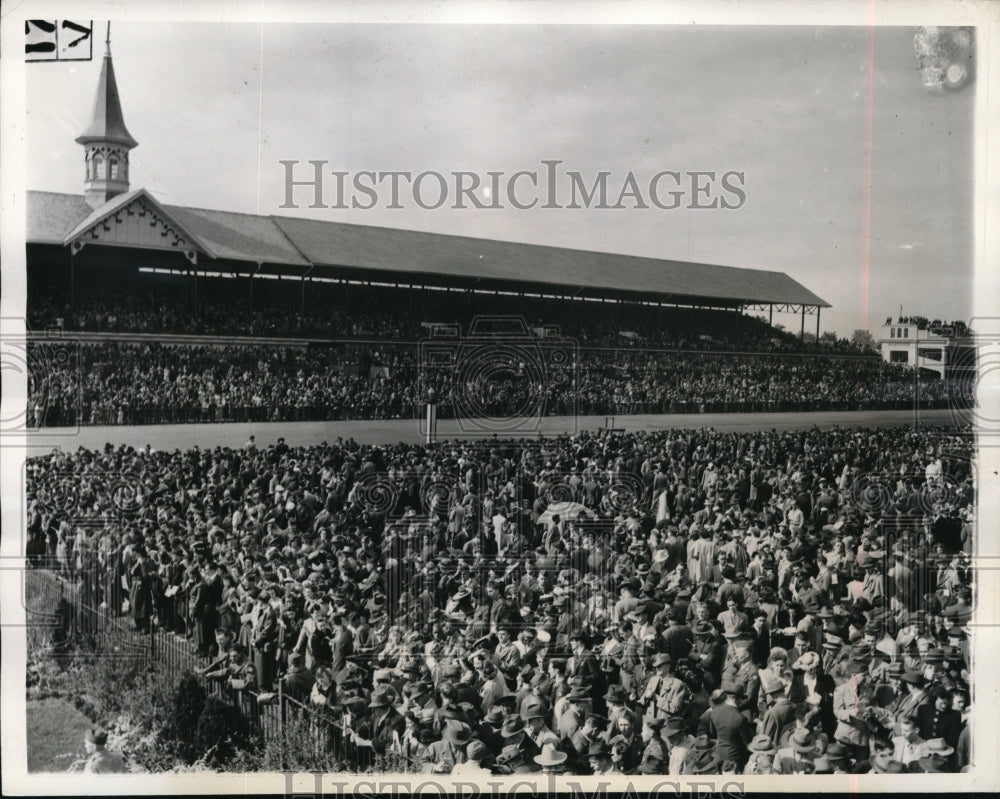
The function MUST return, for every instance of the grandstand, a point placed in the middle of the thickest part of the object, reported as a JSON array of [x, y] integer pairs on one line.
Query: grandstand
[[130, 301]]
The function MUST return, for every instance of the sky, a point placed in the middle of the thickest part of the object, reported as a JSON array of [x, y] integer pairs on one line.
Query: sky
[[216, 108]]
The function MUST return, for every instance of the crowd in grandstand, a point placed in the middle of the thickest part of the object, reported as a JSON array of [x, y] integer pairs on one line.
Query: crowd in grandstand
[[675, 602], [332, 311], [114, 384]]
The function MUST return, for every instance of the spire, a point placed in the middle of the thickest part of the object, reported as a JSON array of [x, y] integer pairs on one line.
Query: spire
[[107, 123], [106, 140]]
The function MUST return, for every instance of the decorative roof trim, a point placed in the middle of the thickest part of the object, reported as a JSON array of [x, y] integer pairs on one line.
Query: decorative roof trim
[[116, 205]]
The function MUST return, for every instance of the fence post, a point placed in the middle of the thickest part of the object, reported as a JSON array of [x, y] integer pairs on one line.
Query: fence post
[[281, 712]]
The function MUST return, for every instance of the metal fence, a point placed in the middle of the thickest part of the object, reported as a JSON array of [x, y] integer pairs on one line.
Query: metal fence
[[59, 607]]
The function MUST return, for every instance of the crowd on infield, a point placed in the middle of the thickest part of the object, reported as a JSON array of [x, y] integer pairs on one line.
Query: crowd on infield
[[683, 602]]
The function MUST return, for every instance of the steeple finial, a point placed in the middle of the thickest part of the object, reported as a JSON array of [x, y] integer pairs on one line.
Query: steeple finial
[[106, 140]]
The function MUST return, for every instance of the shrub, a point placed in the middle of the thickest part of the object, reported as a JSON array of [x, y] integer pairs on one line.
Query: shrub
[[188, 704], [222, 731]]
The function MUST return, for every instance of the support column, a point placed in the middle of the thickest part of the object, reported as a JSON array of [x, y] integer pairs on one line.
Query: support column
[[430, 433], [802, 330], [817, 325]]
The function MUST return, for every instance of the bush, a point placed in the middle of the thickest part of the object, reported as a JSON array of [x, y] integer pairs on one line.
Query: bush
[[222, 731], [188, 704]]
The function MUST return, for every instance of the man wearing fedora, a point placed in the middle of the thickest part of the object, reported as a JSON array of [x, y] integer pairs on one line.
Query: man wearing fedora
[[677, 638], [511, 760], [801, 748], [780, 710], [840, 763], [888, 692], [570, 712], [915, 698], [729, 727], [678, 743], [599, 758], [489, 728], [616, 699], [584, 663], [443, 755], [628, 601], [701, 759], [708, 653], [419, 697], [535, 714], [664, 694], [378, 731], [515, 733]]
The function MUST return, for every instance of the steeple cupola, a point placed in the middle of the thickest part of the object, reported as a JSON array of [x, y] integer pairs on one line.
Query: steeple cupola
[[106, 140]]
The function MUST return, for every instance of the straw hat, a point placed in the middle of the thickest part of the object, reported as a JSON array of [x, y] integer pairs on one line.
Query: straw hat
[[802, 741], [550, 756], [762, 743]]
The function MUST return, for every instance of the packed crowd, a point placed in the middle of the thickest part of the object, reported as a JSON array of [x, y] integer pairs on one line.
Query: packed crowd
[[219, 306], [114, 384], [674, 602]]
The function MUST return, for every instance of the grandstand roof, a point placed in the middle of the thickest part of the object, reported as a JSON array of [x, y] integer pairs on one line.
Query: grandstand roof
[[293, 247]]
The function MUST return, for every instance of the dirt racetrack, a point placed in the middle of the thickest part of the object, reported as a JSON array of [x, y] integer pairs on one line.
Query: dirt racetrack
[[185, 436]]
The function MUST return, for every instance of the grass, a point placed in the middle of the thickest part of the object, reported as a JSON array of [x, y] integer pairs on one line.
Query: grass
[[55, 734]]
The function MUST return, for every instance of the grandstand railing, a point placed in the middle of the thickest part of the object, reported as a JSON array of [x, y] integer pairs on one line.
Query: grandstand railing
[[54, 335], [139, 415]]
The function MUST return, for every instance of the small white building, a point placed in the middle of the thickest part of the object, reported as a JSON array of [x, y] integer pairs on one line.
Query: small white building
[[918, 344]]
